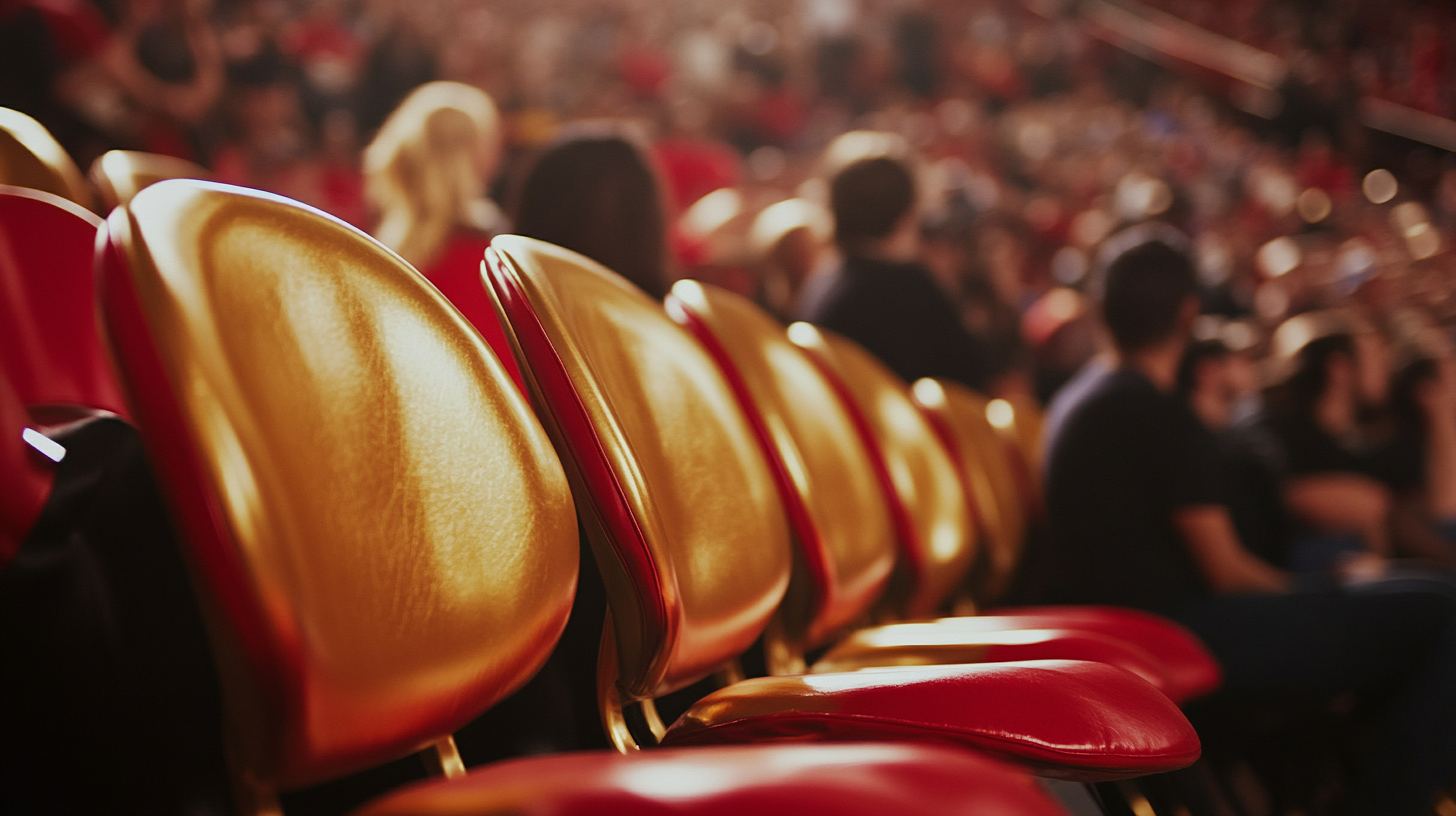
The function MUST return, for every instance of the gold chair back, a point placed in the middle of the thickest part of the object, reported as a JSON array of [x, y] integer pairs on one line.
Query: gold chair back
[[676, 495], [120, 174], [31, 157], [384, 540], [937, 532]]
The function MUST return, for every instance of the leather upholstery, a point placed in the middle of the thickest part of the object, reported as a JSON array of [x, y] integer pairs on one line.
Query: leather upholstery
[[384, 540], [31, 157], [1027, 419], [964, 640], [959, 415], [680, 507], [927, 500], [1189, 670], [121, 174], [785, 780], [1066, 719], [845, 531], [49, 342]]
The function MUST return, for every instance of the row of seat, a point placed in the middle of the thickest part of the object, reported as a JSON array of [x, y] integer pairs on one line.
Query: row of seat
[[385, 536], [31, 158]]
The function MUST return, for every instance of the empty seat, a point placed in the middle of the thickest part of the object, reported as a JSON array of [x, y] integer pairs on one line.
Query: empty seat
[[120, 174], [919, 486], [684, 517], [31, 157], [383, 539], [49, 343]]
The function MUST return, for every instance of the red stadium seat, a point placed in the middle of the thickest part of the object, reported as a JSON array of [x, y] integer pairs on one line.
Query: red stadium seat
[[685, 520], [383, 539], [30, 157], [828, 400], [120, 174], [49, 344]]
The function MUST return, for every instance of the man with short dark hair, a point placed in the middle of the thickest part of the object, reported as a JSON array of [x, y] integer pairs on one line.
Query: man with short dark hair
[[882, 297], [1136, 519]]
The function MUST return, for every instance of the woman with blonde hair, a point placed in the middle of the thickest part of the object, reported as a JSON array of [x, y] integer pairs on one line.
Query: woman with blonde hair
[[426, 173]]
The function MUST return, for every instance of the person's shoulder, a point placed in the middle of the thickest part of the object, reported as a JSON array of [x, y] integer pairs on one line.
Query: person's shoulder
[[1122, 388]]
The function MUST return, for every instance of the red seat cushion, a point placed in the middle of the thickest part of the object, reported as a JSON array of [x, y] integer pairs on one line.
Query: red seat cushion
[[1064, 718], [1189, 669], [785, 780], [967, 640]]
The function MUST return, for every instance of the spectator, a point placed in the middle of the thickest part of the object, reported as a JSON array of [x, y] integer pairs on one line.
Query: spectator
[[595, 192], [427, 172], [881, 296], [1135, 519], [1333, 485]]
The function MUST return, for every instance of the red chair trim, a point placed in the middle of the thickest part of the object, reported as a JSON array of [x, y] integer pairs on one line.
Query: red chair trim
[[212, 548], [911, 547], [564, 404], [946, 435], [811, 544]]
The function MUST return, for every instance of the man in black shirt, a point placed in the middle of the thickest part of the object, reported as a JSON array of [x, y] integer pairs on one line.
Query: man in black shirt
[[1136, 519], [881, 297]]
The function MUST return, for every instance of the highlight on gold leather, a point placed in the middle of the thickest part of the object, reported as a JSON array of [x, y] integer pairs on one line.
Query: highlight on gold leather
[[120, 174], [814, 438], [922, 643], [682, 456], [817, 441], [987, 471], [31, 157], [396, 511], [922, 473], [1023, 426]]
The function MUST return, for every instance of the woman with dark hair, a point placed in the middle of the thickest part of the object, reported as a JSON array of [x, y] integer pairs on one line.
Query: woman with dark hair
[[594, 191], [1332, 369]]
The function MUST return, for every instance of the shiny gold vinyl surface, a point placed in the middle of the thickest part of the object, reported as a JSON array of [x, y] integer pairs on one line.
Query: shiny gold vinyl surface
[[31, 157], [817, 441], [683, 457], [383, 500], [1027, 419], [121, 174], [988, 471], [923, 475]]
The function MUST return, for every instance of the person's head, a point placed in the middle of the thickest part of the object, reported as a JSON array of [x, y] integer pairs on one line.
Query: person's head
[[1330, 356], [1149, 297], [595, 192], [1207, 382], [429, 165], [871, 200]]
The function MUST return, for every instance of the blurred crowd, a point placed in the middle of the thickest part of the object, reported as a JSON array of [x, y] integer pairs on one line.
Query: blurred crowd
[[1034, 140]]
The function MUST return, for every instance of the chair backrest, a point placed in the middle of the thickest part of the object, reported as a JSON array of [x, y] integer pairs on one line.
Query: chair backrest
[[26, 475], [959, 415], [840, 516], [933, 519], [1027, 420], [1020, 419], [49, 342], [384, 542], [675, 494], [31, 157], [120, 174]]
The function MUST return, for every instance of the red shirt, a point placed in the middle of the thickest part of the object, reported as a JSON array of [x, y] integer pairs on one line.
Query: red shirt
[[456, 273]]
